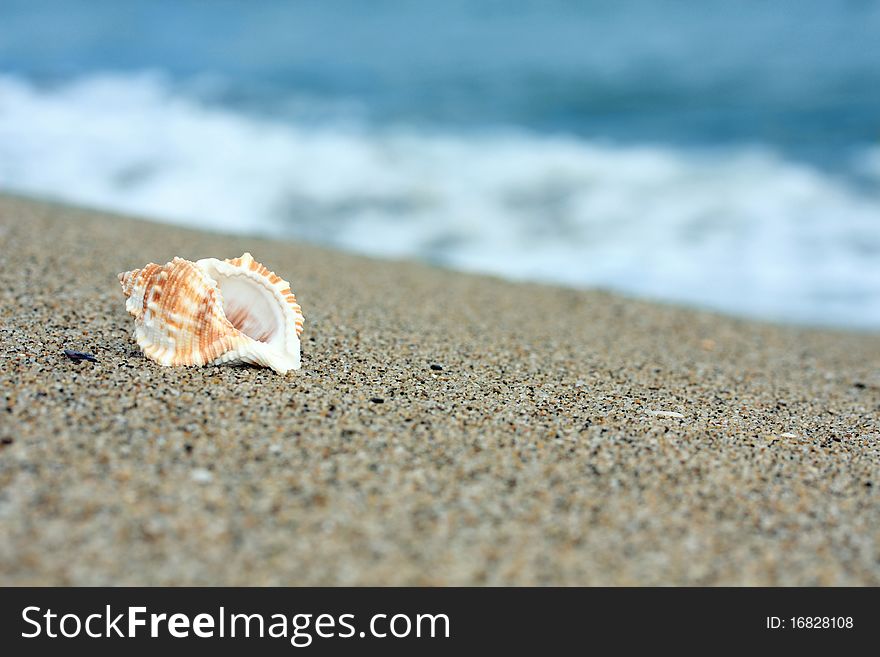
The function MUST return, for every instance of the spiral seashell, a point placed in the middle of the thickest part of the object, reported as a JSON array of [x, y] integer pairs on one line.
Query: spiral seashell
[[213, 311]]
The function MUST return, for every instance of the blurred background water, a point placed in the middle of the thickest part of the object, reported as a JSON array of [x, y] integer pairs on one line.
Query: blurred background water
[[716, 153]]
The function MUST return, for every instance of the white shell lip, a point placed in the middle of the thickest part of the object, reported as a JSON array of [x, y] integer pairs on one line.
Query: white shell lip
[[281, 350], [250, 314]]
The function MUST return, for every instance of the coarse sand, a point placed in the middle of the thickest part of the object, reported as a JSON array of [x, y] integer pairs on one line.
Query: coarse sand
[[444, 429]]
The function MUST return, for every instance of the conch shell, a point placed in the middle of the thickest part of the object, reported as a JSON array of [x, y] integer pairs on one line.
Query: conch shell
[[213, 311]]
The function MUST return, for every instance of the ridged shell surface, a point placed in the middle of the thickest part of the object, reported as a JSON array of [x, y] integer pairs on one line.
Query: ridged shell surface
[[214, 311]]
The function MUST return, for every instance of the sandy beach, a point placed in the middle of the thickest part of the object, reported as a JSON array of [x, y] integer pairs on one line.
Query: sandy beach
[[445, 429]]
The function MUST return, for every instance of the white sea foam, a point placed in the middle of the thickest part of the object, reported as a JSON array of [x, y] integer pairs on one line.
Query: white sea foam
[[744, 231]]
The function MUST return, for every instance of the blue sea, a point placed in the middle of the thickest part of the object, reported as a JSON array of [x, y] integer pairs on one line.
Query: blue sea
[[714, 153]]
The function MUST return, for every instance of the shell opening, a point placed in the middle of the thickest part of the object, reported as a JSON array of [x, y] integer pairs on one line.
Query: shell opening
[[250, 308]]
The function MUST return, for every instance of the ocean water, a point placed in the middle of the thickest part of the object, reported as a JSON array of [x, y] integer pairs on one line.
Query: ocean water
[[719, 154]]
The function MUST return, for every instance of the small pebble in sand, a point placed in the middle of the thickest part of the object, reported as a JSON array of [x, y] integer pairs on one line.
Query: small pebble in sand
[[201, 475], [79, 356], [788, 435], [436, 367], [664, 413]]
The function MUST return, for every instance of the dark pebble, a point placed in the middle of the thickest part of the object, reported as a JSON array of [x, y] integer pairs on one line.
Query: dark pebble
[[377, 400], [437, 367], [79, 356]]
